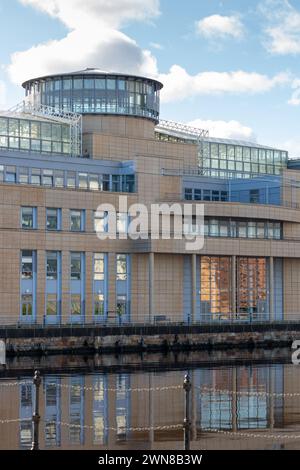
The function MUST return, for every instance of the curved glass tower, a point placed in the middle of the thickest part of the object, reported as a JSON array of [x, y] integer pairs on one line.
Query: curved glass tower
[[92, 91]]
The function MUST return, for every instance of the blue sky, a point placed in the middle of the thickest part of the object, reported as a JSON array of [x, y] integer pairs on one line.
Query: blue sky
[[231, 66]]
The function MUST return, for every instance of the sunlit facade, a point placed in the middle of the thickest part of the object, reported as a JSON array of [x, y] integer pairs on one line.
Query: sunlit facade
[[82, 139]]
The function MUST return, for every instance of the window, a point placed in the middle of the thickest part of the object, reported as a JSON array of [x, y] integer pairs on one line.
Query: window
[[121, 305], [254, 196], [23, 175], [52, 265], [116, 187], [53, 219], [71, 179], [59, 178], [75, 304], [75, 266], [106, 182], [215, 287], [27, 264], [242, 229], [83, 180], [36, 176], [77, 220], [188, 194], [98, 305], [215, 195], [26, 302], [252, 230], [122, 267], [100, 221], [48, 178], [99, 263], [206, 195], [51, 304], [197, 194], [122, 222], [94, 182], [10, 174], [28, 217]]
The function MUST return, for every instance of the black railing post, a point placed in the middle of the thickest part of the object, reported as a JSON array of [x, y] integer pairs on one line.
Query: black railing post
[[36, 417], [187, 421]]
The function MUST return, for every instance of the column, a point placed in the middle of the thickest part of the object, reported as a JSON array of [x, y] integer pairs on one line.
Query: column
[[194, 288], [151, 288], [234, 410], [271, 290], [233, 286]]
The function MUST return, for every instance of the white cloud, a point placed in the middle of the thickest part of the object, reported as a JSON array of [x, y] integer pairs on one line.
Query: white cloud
[[93, 40], [283, 27], [225, 129], [156, 45], [76, 14], [291, 145], [111, 50], [179, 85], [2, 94], [216, 26]]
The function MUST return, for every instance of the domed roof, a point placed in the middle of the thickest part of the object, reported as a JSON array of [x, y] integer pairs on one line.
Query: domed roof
[[92, 71]]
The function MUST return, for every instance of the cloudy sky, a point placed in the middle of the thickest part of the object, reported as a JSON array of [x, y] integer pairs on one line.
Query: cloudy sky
[[231, 66]]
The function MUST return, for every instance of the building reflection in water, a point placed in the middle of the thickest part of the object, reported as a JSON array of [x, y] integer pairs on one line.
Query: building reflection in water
[[102, 410]]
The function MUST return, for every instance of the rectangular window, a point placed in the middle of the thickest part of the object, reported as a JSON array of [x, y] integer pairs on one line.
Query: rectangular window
[[28, 217], [53, 219], [206, 195], [83, 180], [121, 305], [197, 195], [75, 304], [260, 230], [215, 195], [27, 264], [94, 182], [122, 267], [52, 265], [59, 178], [99, 265], [71, 179], [100, 222], [76, 266], [188, 194], [10, 174], [76, 220], [26, 301], [116, 187], [98, 305], [51, 304], [106, 182], [122, 222], [242, 229], [47, 178], [23, 175], [36, 176], [252, 232]]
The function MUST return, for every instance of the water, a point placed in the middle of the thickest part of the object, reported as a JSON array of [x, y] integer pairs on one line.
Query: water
[[239, 400]]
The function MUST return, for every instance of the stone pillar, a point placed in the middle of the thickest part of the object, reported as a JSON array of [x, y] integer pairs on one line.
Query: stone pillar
[[271, 290], [194, 288], [151, 288], [233, 286], [151, 411]]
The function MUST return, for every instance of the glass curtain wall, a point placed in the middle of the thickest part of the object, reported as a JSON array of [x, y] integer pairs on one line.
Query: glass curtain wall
[[34, 136], [98, 94]]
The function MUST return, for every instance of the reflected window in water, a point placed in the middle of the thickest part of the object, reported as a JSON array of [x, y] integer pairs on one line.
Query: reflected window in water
[[100, 410], [52, 394], [26, 411], [76, 430], [122, 405]]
